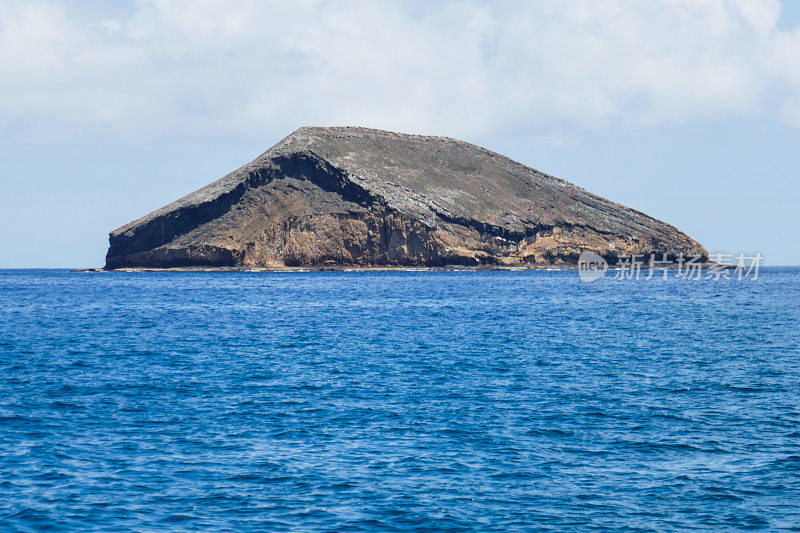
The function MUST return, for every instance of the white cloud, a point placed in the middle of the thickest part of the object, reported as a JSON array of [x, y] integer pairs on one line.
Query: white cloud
[[460, 68]]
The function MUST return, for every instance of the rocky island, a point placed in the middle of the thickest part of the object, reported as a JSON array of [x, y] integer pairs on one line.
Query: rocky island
[[358, 197]]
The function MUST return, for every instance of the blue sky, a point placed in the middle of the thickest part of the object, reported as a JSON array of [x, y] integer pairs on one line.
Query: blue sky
[[686, 110]]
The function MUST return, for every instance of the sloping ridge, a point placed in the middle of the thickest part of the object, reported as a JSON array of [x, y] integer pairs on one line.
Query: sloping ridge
[[364, 197]]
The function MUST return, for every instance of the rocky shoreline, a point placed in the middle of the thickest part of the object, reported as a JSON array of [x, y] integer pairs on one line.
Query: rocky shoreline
[[335, 268]]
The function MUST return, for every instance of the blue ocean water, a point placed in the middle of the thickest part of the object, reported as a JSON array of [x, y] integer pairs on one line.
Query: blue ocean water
[[398, 401]]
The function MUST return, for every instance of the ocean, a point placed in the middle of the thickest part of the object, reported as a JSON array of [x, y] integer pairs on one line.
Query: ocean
[[398, 401]]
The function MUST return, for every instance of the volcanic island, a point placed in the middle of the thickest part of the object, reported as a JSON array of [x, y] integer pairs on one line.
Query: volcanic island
[[352, 197]]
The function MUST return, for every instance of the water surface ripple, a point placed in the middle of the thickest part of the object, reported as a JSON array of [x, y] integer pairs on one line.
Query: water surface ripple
[[397, 401]]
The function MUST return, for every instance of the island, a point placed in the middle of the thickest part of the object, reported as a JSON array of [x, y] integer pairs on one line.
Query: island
[[358, 197]]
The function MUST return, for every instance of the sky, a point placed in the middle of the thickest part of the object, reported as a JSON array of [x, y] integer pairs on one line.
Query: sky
[[688, 110]]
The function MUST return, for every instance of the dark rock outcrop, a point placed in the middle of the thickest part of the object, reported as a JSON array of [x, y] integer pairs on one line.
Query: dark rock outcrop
[[363, 197]]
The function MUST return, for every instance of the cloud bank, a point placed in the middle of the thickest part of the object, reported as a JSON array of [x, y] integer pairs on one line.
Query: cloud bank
[[463, 68]]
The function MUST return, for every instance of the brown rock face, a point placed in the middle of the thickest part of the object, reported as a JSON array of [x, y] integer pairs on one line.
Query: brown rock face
[[362, 197]]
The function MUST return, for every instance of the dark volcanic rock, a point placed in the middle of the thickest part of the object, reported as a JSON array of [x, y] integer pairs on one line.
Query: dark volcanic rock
[[362, 197]]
